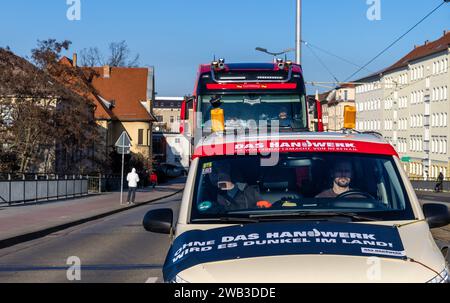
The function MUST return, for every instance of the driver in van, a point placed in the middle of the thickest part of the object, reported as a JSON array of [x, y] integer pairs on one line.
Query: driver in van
[[342, 174]]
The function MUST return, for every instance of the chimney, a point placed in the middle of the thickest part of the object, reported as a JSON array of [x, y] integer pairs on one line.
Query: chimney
[[106, 71], [426, 42], [446, 32], [75, 60]]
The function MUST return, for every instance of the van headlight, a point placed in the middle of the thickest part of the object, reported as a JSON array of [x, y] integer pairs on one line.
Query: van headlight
[[178, 279], [442, 277]]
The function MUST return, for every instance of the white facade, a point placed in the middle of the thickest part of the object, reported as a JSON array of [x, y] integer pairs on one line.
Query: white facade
[[177, 150], [410, 106]]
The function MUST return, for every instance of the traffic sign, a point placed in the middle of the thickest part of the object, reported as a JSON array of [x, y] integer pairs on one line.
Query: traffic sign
[[123, 150], [124, 140], [123, 144], [406, 159]]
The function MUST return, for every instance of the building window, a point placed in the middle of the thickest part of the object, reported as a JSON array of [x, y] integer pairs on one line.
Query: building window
[[141, 137], [171, 119], [159, 118]]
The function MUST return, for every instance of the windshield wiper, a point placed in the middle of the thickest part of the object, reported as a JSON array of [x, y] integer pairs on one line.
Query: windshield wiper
[[315, 214], [228, 220]]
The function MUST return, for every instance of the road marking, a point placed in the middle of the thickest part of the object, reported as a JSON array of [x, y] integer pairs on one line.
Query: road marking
[[151, 280]]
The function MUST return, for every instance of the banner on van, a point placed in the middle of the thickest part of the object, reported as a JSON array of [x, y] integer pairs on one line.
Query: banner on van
[[277, 239]]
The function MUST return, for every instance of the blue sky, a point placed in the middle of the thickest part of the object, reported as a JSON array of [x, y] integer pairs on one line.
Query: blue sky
[[176, 36]]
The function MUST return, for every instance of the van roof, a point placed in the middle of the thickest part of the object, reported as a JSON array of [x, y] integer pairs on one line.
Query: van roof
[[220, 145]]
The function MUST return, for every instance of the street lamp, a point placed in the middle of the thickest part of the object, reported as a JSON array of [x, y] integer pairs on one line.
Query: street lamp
[[264, 50]]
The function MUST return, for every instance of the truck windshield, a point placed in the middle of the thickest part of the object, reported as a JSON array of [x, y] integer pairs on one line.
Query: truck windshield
[[320, 183], [246, 111]]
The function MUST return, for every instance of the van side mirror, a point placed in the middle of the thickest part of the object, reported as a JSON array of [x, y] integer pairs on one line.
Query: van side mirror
[[437, 215], [159, 221]]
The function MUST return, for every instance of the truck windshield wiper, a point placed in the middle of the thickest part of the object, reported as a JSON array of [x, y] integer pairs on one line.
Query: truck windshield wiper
[[315, 214], [228, 220]]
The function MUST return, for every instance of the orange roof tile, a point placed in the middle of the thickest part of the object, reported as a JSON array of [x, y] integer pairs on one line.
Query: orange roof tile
[[101, 111], [126, 88], [427, 49]]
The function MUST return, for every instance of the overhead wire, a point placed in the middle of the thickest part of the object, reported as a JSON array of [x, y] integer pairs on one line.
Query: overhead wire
[[398, 39]]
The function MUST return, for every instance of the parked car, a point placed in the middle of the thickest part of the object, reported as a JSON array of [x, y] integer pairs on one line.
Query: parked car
[[168, 171]]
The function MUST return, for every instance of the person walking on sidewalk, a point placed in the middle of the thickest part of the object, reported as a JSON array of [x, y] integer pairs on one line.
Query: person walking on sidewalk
[[153, 179], [439, 180], [133, 179]]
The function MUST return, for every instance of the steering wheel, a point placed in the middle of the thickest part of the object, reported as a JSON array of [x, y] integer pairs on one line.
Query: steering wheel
[[354, 193]]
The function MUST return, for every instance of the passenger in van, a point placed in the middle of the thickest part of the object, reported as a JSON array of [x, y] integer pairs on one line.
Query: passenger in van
[[234, 193], [342, 174]]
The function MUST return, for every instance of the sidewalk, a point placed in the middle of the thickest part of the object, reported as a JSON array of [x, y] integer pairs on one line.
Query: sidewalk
[[25, 219]]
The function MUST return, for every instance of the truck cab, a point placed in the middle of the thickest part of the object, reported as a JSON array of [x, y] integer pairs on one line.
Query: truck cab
[[245, 97]]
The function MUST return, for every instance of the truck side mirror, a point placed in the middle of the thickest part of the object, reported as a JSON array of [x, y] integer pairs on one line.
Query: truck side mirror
[[437, 215], [182, 116], [184, 113], [159, 221]]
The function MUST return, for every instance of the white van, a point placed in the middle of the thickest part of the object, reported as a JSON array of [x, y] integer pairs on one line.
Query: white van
[[300, 207]]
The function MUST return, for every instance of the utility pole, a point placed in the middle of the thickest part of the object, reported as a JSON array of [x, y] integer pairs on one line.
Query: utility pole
[[298, 40], [121, 178]]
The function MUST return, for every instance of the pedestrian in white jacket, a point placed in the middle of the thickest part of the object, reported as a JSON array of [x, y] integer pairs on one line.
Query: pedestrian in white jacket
[[133, 179]]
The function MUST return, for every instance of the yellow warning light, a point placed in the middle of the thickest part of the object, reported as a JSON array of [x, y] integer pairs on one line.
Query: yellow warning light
[[349, 117], [217, 120]]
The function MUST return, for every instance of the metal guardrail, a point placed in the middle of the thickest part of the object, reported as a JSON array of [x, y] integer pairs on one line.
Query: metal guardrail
[[102, 183], [41, 188], [34, 188], [429, 185]]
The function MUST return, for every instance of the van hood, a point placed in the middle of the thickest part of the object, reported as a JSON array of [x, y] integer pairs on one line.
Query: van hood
[[421, 263], [308, 269]]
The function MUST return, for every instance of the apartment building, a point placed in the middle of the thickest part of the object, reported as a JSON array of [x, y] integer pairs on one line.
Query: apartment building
[[169, 146], [408, 103], [167, 111]]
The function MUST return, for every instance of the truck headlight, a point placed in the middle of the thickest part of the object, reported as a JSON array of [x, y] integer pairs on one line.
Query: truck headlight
[[442, 277], [178, 279]]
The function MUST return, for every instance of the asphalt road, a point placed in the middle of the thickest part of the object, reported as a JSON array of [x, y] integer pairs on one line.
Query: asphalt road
[[434, 197], [113, 249]]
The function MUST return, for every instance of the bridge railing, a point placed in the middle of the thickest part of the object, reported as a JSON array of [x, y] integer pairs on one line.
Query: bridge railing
[[38, 188]]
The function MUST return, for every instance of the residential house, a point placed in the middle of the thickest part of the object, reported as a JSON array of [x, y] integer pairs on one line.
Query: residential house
[[34, 94], [123, 98]]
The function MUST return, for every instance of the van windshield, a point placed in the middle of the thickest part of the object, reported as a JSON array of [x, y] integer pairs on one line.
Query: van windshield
[[250, 110], [300, 183]]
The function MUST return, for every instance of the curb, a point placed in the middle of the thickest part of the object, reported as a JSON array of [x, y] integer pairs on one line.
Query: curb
[[47, 231]]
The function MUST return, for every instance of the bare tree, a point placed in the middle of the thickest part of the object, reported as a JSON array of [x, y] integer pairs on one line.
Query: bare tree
[[48, 104], [91, 57], [119, 56]]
